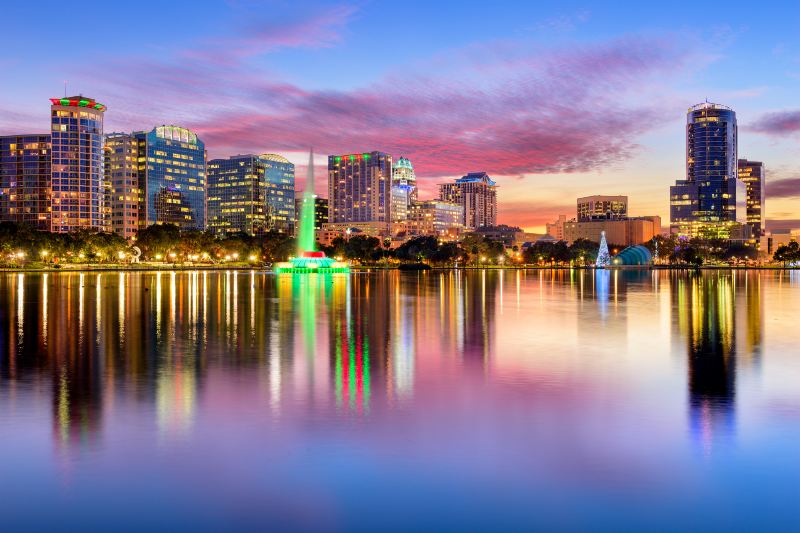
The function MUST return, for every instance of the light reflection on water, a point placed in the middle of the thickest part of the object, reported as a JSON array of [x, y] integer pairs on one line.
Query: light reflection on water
[[483, 399]]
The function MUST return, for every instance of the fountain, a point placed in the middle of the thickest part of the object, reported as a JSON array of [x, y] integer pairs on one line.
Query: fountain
[[309, 259]]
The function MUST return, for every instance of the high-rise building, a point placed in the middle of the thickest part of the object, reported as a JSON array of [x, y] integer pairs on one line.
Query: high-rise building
[[435, 217], [359, 188], [25, 180], [752, 174], [251, 194], [556, 229], [320, 212], [404, 189], [125, 198], [172, 175], [600, 207], [710, 202], [77, 175], [477, 195]]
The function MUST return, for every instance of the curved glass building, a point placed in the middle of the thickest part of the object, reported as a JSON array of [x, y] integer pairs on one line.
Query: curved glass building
[[711, 199], [633, 256]]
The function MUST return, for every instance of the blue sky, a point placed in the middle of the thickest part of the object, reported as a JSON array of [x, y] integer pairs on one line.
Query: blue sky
[[555, 99]]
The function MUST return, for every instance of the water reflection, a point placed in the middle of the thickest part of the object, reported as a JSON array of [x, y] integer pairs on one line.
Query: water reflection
[[553, 360]]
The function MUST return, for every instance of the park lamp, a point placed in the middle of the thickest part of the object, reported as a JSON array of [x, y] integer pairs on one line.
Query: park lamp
[[252, 257], [43, 253]]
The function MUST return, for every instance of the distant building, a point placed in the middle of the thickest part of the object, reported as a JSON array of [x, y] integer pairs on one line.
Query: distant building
[[710, 202], [359, 188], [510, 236], [320, 212], [556, 229], [251, 194], [477, 194], [602, 208], [751, 173], [404, 189], [77, 175], [25, 180], [627, 232], [435, 217]]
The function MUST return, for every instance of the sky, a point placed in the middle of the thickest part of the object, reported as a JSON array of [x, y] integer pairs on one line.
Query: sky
[[555, 100]]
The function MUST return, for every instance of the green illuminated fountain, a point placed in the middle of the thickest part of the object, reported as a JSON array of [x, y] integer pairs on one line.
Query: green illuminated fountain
[[309, 259]]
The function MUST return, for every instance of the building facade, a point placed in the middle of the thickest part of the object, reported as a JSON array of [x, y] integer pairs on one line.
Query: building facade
[[172, 175], [600, 207], [627, 232], [320, 212], [125, 198], [252, 194], [359, 188], [751, 173], [711, 201], [404, 189], [78, 188], [25, 180], [476, 193], [436, 218]]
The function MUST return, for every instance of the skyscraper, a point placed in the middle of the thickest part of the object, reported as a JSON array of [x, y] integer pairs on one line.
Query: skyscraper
[[404, 189], [172, 175], [25, 180], [251, 194], [710, 202], [477, 195], [77, 176], [359, 188], [125, 197], [752, 174]]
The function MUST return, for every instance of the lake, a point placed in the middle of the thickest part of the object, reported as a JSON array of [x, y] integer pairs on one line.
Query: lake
[[439, 400]]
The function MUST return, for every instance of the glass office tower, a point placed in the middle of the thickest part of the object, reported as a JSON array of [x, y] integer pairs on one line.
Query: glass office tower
[[710, 202], [25, 180], [404, 189], [476, 193], [171, 170], [251, 194], [77, 177]]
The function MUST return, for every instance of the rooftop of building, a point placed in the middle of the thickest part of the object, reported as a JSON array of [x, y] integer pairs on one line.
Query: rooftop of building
[[476, 177], [78, 101], [403, 163], [708, 105]]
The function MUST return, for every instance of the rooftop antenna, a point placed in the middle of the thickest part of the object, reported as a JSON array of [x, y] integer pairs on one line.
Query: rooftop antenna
[[65, 88]]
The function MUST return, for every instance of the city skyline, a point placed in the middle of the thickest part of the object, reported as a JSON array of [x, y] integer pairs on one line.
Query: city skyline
[[553, 102]]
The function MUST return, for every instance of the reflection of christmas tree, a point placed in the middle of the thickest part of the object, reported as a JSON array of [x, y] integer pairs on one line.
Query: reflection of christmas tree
[[603, 257]]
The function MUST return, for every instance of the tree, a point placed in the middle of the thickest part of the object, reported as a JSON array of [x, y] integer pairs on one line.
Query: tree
[[787, 253]]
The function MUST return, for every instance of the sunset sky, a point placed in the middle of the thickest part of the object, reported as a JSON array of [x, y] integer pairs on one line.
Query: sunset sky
[[554, 99]]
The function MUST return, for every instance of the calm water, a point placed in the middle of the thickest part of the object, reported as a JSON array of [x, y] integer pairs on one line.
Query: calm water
[[475, 400]]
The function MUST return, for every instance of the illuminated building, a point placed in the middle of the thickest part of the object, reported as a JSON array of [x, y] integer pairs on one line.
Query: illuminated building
[[251, 194], [359, 188], [77, 176], [435, 217], [25, 180], [477, 195], [602, 208], [752, 174], [404, 189], [710, 202], [172, 176], [125, 195], [320, 212]]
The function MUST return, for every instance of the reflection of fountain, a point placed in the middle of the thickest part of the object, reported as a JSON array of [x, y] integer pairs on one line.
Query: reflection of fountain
[[308, 259]]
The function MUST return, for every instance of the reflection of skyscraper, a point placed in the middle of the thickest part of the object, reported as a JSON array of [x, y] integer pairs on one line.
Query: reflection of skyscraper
[[707, 302]]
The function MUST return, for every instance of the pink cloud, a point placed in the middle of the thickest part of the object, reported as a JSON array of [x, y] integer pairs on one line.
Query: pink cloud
[[779, 123]]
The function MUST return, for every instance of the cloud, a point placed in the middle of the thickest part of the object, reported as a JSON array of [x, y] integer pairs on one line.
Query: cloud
[[779, 123], [541, 112], [785, 188]]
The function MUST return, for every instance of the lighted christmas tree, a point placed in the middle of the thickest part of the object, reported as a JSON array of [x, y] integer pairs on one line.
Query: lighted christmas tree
[[603, 257]]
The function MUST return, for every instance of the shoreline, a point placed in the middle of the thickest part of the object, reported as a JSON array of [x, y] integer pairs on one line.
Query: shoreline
[[360, 268]]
